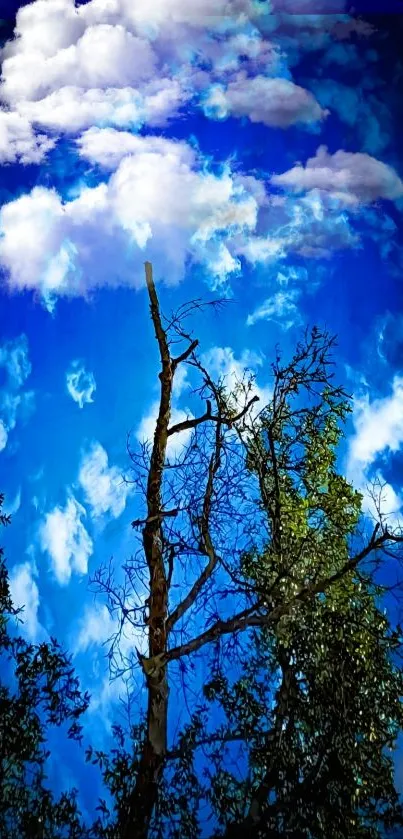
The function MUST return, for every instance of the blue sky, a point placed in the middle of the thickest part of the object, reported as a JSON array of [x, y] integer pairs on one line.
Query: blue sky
[[250, 151]]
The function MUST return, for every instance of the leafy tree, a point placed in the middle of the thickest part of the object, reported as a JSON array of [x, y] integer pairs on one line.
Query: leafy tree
[[319, 743], [253, 545], [38, 688]]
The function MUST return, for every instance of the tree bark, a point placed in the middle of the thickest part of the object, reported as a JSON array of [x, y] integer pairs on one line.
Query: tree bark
[[144, 797]]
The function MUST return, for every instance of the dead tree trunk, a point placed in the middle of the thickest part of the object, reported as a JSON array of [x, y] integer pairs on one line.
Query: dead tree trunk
[[144, 796]]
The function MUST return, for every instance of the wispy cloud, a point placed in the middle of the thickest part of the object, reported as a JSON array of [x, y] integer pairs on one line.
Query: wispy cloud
[[14, 402], [280, 307], [25, 593], [80, 384], [14, 358], [105, 490]]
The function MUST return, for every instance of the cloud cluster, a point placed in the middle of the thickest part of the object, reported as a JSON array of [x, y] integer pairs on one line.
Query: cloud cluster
[[101, 236], [64, 538], [80, 384], [124, 65], [63, 534]]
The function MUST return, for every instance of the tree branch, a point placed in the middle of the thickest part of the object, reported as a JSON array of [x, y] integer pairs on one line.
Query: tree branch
[[206, 543], [193, 423], [191, 348]]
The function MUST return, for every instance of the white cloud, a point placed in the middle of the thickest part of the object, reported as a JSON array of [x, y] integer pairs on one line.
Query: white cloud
[[261, 249], [125, 64], [3, 436], [103, 485], [14, 403], [104, 56], [73, 109], [281, 307], [96, 627], [108, 147], [12, 507], [99, 237], [274, 102], [314, 225], [18, 141], [80, 384], [378, 426], [24, 592], [223, 365], [351, 177], [63, 536], [378, 432]]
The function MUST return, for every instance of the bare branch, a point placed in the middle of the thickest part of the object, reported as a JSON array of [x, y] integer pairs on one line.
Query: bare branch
[[229, 421], [191, 348], [161, 515], [206, 544]]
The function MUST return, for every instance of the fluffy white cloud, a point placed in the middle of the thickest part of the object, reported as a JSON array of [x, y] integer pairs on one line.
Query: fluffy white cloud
[[80, 384], [100, 236], [63, 536], [107, 147], [103, 485], [105, 63], [378, 426], [73, 109], [351, 177], [104, 56], [18, 140], [24, 592], [378, 432], [274, 102], [280, 307]]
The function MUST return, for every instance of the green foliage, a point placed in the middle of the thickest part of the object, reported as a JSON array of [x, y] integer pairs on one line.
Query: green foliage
[[41, 690], [319, 700]]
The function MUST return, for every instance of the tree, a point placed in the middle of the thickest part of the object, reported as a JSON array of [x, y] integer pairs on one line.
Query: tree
[[252, 540], [38, 688], [319, 748]]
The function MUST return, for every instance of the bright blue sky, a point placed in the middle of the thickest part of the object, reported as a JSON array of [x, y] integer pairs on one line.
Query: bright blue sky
[[248, 153]]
